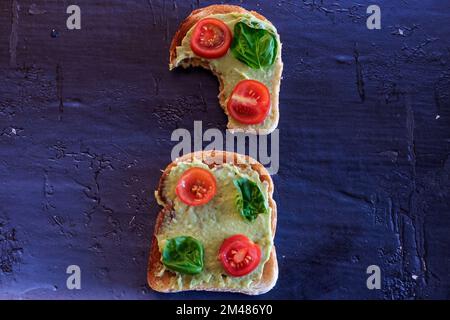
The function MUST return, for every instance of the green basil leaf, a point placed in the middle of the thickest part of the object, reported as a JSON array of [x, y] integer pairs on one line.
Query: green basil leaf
[[250, 201], [184, 255], [254, 46]]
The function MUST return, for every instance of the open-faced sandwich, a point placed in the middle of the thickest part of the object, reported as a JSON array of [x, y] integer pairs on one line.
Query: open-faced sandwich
[[217, 226], [243, 49]]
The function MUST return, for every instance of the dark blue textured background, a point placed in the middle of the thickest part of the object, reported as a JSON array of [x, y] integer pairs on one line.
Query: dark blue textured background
[[85, 124]]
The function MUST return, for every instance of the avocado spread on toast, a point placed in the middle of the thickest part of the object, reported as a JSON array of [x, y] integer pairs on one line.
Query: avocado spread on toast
[[213, 222]]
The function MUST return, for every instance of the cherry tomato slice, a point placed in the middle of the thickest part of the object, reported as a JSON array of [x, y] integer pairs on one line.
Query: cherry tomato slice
[[196, 186], [249, 102], [211, 38], [239, 255]]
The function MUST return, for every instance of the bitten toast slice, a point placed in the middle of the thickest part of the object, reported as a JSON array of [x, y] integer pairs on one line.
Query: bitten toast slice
[[228, 69]]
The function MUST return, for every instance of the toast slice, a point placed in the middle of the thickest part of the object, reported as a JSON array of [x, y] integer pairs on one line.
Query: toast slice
[[181, 55], [163, 280]]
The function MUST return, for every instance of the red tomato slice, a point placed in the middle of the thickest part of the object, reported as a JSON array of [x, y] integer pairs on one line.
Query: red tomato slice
[[196, 186], [249, 102], [211, 38], [239, 255]]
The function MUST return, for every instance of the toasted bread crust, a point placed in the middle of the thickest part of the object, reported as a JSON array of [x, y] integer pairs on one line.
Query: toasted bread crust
[[270, 272], [189, 22]]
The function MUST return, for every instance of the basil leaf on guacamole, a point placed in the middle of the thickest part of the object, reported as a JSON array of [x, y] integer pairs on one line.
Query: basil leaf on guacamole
[[184, 255], [254, 46], [250, 200]]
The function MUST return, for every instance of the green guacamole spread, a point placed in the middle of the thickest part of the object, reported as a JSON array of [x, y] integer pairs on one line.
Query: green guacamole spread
[[213, 222]]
